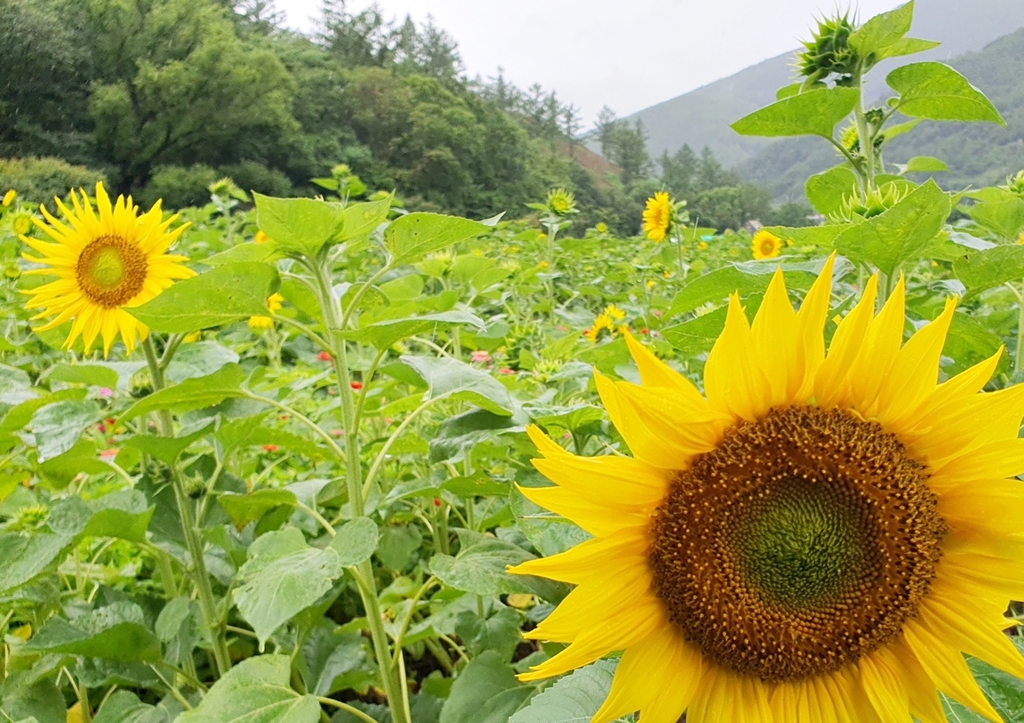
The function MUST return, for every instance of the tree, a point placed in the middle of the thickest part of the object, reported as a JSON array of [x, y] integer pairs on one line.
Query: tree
[[628, 149]]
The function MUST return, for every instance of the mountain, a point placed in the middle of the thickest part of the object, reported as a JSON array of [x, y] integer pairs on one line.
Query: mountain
[[702, 117]]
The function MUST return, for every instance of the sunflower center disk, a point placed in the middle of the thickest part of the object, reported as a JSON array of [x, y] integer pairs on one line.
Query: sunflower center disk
[[803, 542], [111, 271]]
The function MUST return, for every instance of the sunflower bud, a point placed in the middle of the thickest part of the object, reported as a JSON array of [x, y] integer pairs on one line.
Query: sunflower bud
[[858, 206], [828, 52], [561, 203]]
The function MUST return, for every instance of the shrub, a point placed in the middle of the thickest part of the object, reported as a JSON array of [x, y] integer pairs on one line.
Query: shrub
[[40, 179]]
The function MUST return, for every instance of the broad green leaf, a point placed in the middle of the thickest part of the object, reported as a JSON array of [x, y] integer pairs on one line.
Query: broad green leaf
[[298, 225], [900, 233], [253, 431], [907, 46], [125, 707], [58, 426], [283, 576], [363, 218], [199, 359], [698, 335], [59, 471], [417, 234], [881, 31], [937, 92], [999, 210], [262, 253], [93, 375], [115, 632], [825, 191], [335, 659], [222, 295], [486, 691], [499, 633], [40, 702], [167, 449], [192, 394], [460, 433], [451, 378], [356, 541], [479, 485], [970, 342], [251, 507], [814, 113], [383, 334], [984, 269], [925, 164], [257, 690], [572, 699], [124, 514], [749, 277], [15, 387], [25, 556], [480, 565]]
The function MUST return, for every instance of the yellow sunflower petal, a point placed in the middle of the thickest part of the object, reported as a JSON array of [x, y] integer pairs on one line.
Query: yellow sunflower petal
[[830, 384], [734, 380], [588, 558]]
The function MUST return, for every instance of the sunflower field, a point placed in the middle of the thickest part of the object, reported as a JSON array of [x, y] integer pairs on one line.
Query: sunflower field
[[291, 460]]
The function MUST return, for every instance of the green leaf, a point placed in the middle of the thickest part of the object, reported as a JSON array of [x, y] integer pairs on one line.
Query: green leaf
[[985, 269], [253, 431], [199, 359], [383, 334], [58, 426], [192, 394], [480, 566], [899, 234], [167, 449], [362, 218], [244, 509], [486, 691], [263, 253], [92, 375], [907, 46], [356, 541], [124, 514], [572, 699], [825, 191], [881, 31], [499, 633], [125, 707], [298, 226], [80, 459], [451, 378], [222, 295], [25, 556], [999, 210], [925, 164], [282, 577], [937, 92], [257, 690], [748, 277], [1004, 691], [814, 113], [115, 632], [698, 335], [417, 234]]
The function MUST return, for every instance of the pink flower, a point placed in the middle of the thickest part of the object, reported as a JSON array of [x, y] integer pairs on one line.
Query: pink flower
[[106, 392], [506, 370], [480, 357], [109, 454]]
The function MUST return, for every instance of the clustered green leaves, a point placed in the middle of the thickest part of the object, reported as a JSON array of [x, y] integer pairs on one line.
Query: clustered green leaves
[[314, 522]]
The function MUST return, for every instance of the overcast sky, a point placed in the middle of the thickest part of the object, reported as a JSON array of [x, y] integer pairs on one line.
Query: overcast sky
[[624, 54]]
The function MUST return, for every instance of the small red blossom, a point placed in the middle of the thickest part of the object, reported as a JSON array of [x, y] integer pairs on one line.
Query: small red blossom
[[269, 447], [480, 357], [337, 432], [437, 502], [108, 454], [645, 331], [506, 371], [356, 385], [101, 427], [657, 312], [324, 356]]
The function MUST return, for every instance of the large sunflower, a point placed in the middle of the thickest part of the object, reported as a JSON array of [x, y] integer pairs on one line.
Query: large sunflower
[[815, 539], [658, 216], [106, 260]]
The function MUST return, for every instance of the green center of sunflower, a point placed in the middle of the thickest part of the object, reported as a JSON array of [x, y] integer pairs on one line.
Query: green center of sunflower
[[801, 544], [804, 541], [111, 271]]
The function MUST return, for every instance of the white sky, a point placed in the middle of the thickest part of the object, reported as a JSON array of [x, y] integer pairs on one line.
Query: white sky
[[627, 55]]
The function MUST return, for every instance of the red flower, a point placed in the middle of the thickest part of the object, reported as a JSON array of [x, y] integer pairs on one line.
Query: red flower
[[506, 370], [324, 356], [437, 502], [645, 331], [269, 447], [356, 385]]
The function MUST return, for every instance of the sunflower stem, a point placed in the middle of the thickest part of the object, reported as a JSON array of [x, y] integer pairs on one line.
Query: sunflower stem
[[335, 321], [193, 535]]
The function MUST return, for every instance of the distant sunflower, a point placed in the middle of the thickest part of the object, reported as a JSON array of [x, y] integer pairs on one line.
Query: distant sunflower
[[658, 216], [815, 539], [106, 260], [265, 322], [765, 245]]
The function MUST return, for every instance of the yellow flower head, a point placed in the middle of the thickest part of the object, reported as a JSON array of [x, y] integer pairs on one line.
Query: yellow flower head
[[601, 227], [701, 245], [815, 530], [766, 245], [106, 259], [542, 265], [265, 322], [658, 216], [22, 223], [650, 284], [561, 202], [9, 198], [261, 238], [614, 312]]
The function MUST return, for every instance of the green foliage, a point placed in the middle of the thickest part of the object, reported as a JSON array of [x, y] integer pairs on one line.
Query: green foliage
[[42, 179]]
